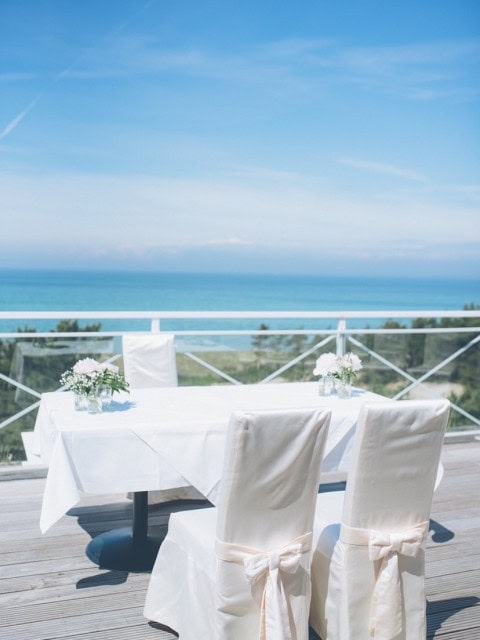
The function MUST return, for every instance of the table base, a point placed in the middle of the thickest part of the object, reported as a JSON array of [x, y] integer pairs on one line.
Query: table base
[[118, 550], [130, 549]]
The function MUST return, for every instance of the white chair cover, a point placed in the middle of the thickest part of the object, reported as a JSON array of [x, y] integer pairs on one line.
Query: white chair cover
[[242, 571], [368, 564], [149, 360]]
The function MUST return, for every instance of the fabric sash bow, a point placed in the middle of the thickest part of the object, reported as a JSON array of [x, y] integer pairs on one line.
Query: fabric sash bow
[[386, 620], [268, 566]]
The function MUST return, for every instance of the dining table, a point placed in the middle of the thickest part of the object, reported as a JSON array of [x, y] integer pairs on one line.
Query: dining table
[[158, 439]]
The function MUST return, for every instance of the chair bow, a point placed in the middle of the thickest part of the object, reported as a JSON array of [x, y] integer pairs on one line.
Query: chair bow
[[268, 566], [406, 543], [386, 620]]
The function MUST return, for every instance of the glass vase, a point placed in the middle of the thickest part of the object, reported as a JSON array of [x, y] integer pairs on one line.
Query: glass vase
[[344, 389], [80, 401], [105, 394], [326, 386], [94, 402]]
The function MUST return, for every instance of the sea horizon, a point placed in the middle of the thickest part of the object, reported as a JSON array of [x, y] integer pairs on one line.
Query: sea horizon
[[94, 290], [291, 274]]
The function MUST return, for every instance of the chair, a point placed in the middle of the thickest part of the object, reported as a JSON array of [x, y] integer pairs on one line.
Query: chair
[[149, 360], [241, 570], [368, 564]]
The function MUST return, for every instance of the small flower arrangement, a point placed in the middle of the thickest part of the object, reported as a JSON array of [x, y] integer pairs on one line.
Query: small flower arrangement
[[87, 376], [349, 365], [343, 367], [112, 378], [332, 368]]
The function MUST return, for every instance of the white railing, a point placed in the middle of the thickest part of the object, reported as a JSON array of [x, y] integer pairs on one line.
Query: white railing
[[349, 331]]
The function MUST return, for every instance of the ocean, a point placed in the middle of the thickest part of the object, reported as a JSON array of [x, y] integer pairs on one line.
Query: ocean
[[42, 290]]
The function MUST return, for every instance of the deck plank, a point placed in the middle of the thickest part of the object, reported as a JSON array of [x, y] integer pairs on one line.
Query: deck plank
[[49, 589]]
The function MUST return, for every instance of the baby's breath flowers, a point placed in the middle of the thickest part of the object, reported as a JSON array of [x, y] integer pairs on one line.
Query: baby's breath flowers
[[88, 376]]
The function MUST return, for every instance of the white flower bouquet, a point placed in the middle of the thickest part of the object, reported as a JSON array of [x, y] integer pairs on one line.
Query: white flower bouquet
[[340, 369], [349, 366], [327, 365], [112, 378], [88, 376]]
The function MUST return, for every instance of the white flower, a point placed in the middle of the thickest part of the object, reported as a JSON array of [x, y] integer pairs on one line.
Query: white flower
[[326, 365], [108, 366], [78, 382], [88, 375], [87, 366], [351, 362], [349, 365]]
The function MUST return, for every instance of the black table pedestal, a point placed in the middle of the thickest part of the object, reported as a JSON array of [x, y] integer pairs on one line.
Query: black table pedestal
[[129, 549]]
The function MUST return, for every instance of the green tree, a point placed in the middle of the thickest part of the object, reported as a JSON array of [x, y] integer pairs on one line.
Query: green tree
[[259, 342]]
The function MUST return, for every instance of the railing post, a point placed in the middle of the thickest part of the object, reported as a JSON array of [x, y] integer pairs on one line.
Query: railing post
[[341, 327], [155, 325]]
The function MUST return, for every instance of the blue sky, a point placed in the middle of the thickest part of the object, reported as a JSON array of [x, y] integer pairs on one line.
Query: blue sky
[[310, 136]]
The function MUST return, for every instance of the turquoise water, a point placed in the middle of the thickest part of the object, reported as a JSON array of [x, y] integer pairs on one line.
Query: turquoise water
[[137, 291], [128, 291]]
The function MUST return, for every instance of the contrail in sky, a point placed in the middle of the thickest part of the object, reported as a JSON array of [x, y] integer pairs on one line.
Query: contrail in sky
[[16, 121], [13, 124]]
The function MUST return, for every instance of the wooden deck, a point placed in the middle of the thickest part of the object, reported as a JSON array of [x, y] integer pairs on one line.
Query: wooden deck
[[50, 590]]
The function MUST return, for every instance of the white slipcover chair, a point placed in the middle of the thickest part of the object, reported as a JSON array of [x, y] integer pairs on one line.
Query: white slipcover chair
[[241, 571], [149, 360], [369, 559]]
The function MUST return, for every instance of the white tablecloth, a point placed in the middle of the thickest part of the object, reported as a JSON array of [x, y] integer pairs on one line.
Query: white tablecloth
[[164, 438]]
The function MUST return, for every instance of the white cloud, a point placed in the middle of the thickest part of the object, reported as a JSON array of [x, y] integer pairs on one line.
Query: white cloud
[[470, 190], [424, 53], [423, 70], [380, 167], [142, 214], [16, 77]]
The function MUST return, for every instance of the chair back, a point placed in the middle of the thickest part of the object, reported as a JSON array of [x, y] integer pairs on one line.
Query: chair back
[[265, 521], [271, 476], [149, 360], [394, 464]]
